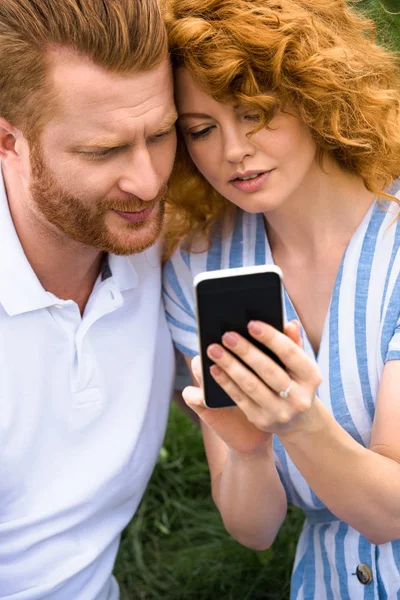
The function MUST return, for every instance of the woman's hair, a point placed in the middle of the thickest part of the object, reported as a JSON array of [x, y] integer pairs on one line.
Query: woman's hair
[[319, 56]]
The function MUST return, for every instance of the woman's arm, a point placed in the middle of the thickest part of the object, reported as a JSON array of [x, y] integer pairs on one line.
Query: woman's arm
[[247, 491], [360, 486], [245, 483]]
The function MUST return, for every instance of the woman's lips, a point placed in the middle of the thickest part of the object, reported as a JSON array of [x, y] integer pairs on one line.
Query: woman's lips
[[251, 185]]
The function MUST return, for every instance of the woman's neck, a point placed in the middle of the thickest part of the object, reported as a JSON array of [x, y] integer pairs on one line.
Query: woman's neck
[[325, 212]]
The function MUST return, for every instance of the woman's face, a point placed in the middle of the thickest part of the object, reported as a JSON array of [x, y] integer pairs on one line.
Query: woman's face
[[259, 172]]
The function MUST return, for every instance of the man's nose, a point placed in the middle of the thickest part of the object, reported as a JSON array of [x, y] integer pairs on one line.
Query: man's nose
[[140, 177]]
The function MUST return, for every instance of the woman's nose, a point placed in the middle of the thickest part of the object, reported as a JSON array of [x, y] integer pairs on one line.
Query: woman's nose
[[237, 147]]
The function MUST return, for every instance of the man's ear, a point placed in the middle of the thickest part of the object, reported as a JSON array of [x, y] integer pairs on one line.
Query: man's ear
[[10, 137]]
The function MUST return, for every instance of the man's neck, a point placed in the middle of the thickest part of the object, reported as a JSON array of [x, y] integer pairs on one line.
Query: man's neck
[[65, 268]]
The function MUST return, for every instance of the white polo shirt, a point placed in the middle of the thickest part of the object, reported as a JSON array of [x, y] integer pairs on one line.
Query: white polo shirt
[[83, 409]]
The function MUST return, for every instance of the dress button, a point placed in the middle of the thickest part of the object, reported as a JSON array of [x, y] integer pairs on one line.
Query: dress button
[[364, 574]]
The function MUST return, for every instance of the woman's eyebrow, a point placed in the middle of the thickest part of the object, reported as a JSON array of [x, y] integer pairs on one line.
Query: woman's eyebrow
[[194, 115]]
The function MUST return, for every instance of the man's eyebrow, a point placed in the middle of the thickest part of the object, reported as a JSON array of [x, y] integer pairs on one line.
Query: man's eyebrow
[[194, 115], [167, 123], [105, 142], [113, 142]]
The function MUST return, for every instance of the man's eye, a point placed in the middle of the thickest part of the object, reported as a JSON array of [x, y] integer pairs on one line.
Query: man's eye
[[203, 133], [164, 134], [99, 153]]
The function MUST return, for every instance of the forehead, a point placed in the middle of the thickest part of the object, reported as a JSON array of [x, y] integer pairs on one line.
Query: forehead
[[187, 90], [89, 98], [191, 98]]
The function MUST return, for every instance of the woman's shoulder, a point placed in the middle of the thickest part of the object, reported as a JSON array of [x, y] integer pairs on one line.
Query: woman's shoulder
[[376, 262], [394, 189], [381, 230], [391, 223], [232, 243]]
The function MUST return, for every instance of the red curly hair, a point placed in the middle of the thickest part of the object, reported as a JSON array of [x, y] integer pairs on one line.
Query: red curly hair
[[319, 56]]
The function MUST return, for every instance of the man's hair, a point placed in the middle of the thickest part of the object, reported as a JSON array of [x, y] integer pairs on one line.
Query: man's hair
[[123, 36], [316, 56]]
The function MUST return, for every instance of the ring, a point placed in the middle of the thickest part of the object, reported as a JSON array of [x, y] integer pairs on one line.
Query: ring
[[285, 393]]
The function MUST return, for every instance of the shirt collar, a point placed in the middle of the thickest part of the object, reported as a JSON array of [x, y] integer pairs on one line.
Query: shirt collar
[[123, 272], [20, 289], [106, 272]]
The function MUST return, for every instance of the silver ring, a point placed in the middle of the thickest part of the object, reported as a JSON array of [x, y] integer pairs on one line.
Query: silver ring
[[285, 393]]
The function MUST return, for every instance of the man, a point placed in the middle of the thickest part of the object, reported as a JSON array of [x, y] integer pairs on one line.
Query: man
[[87, 143]]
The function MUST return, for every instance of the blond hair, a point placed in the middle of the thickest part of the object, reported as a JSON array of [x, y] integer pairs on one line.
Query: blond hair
[[316, 55], [123, 36]]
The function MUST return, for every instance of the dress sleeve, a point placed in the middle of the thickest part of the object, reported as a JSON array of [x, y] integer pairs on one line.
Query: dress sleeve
[[180, 303], [394, 344]]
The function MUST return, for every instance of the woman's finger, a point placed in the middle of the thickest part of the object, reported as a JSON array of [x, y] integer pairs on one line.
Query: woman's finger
[[294, 358], [242, 381], [194, 398], [274, 411], [229, 386], [293, 331], [196, 370], [267, 370]]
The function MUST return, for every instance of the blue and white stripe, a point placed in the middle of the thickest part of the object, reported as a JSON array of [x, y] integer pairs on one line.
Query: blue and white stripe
[[361, 333]]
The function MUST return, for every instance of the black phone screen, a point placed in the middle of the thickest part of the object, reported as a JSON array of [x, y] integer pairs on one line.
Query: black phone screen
[[228, 304]]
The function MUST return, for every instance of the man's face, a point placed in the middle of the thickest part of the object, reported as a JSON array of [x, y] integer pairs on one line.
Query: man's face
[[99, 171]]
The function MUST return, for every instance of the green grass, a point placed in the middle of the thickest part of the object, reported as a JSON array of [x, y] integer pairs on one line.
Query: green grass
[[176, 547], [386, 14]]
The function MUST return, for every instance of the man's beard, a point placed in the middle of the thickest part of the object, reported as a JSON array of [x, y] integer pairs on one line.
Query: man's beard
[[85, 222]]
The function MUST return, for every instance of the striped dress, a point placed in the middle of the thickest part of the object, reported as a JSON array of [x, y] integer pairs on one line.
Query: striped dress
[[361, 333]]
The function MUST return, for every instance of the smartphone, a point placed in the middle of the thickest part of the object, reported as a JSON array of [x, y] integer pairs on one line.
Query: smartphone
[[227, 300]]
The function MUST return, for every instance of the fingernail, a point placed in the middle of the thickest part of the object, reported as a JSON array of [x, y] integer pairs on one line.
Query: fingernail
[[215, 371], [215, 351], [255, 328], [230, 339]]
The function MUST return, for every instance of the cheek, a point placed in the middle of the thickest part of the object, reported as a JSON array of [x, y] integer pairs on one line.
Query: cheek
[[301, 156], [204, 158], [87, 179], [79, 185], [26, 172], [23, 164], [295, 150], [166, 157]]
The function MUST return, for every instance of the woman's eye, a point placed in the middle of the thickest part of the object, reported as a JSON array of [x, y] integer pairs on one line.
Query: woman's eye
[[203, 133], [252, 117]]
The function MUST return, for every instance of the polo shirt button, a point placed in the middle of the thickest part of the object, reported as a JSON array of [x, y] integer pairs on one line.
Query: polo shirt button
[[364, 574]]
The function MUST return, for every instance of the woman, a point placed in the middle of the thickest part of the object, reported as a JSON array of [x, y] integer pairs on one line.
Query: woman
[[289, 119]]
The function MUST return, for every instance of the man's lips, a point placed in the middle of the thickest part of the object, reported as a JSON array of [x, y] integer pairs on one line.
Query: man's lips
[[136, 216]]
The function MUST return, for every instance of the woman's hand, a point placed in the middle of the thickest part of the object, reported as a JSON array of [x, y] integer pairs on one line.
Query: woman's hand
[[231, 425], [258, 395]]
